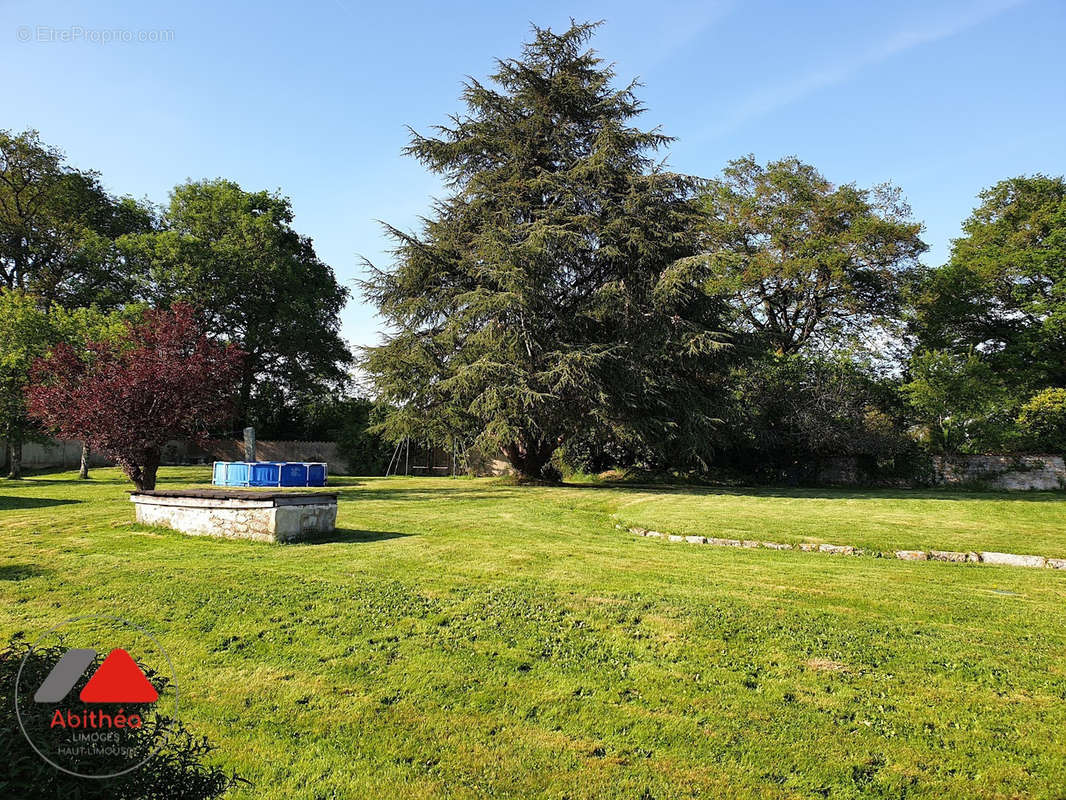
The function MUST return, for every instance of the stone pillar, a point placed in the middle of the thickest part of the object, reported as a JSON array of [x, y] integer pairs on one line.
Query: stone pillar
[[249, 444]]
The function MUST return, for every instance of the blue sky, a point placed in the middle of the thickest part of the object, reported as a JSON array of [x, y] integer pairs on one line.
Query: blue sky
[[941, 98]]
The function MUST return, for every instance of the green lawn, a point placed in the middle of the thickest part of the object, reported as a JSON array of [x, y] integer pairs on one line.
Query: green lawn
[[459, 638], [883, 520]]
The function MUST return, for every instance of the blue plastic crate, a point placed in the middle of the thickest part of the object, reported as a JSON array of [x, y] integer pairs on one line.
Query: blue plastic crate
[[269, 473]]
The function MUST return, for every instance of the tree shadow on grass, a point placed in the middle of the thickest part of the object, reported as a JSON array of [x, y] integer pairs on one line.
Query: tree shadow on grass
[[352, 536], [828, 493], [97, 474], [19, 572], [9, 503], [455, 491]]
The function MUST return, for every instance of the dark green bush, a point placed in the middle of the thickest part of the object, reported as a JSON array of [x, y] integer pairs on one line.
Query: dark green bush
[[176, 772]]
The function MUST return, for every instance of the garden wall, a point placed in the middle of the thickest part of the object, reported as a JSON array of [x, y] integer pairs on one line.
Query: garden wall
[[266, 450], [1012, 473], [1002, 472], [66, 454], [53, 454]]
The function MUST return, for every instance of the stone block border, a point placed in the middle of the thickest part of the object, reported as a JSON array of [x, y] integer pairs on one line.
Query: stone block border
[[949, 556]]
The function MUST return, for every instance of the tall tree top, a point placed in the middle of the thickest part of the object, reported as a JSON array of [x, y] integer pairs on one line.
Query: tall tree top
[[557, 109], [805, 262], [1003, 291]]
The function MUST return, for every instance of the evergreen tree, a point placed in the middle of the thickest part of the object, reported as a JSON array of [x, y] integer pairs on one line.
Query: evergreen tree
[[546, 296]]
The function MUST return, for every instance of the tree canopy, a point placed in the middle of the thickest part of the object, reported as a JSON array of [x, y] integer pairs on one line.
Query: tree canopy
[[256, 282], [128, 397], [26, 332], [802, 261], [1002, 293], [538, 299], [58, 227], [28, 329]]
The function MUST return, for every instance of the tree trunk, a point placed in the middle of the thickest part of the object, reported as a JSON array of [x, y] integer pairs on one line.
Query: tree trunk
[[244, 395], [14, 447], [150, 470], [529, 460], [83, 470], [143, 475]]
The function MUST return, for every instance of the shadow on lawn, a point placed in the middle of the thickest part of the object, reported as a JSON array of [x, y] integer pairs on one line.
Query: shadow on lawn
[[825, 493], [19, 572], [51, 478], [9, 503], [498, 491], [352, 536], [490, 492]]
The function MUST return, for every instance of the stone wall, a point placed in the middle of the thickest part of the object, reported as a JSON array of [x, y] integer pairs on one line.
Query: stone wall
[[262, 516], [66, 454], [266, 450], [1003, 472], [839, 471], [56, 453], [1011, 473]]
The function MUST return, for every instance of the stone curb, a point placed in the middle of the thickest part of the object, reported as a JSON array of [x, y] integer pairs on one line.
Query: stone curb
[[948, 556]]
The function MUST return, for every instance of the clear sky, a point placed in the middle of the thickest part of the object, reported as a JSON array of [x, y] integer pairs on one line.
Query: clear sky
[[941, 97]]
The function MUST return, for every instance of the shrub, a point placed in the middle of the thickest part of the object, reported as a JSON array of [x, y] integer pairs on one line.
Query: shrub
[[176, 772], [1043, 420]]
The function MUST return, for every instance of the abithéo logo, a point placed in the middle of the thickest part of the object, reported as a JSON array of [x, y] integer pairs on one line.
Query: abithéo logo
[[98, 711], [118, 679]]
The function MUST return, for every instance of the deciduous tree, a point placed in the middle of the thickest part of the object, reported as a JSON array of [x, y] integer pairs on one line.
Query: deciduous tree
[[164, 380], [1043, 421], [790, 413], [956, 398], [26, 332], [805, 263], [1002, 294], [58, 227], [79, 327], [256, 283]]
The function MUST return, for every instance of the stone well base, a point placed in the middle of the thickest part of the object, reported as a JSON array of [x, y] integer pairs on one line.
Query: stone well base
[[234, 514]]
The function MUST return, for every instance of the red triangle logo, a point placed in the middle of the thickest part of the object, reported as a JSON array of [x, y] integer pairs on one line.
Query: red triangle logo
[[118, 680]]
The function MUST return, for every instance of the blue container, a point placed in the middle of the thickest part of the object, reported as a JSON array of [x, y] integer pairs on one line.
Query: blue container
[[316, 474], [266, 473], [236, 473], [269, 473], [293, 474]]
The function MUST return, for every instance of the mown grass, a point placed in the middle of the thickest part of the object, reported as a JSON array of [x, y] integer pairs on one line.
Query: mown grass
[[882, 520], [458, 638]]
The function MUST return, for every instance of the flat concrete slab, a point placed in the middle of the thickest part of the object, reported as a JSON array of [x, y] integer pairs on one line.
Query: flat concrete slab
[[268, 516], [236, 494]]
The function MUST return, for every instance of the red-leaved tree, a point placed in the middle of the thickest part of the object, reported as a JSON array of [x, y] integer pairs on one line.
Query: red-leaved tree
[[127, 399]]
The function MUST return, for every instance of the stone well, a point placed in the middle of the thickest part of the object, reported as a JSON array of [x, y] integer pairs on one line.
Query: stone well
[[239, 514]]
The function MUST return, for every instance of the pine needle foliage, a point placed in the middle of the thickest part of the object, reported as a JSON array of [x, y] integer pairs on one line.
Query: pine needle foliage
[[540, 300]]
